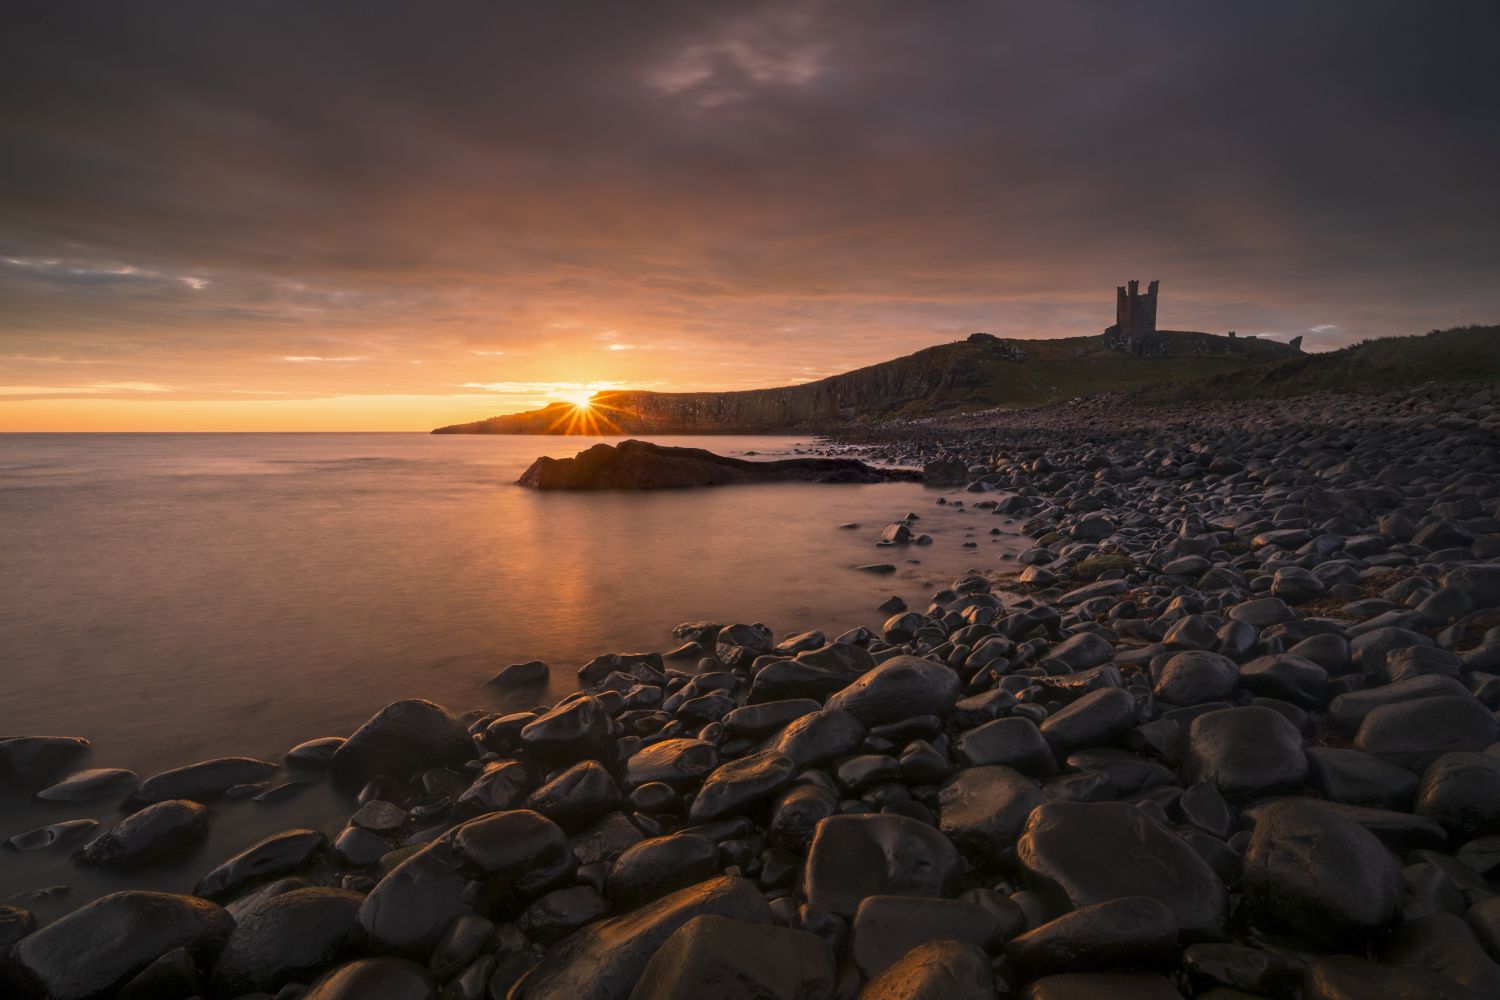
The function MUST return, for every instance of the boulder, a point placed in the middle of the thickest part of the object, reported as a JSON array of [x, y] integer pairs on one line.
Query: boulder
[[406, 737], [95, 950], [1080, 854], [855, 856], [641, 465], [1246, 752], [897, 689], [1135, 932], [936, 970], [291, 937], [727, 959]]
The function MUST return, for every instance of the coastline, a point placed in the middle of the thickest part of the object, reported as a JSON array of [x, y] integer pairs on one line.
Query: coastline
[[1223, 606]]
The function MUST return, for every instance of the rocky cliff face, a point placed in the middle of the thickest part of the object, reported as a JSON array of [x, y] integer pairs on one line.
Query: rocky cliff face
[[980, 372]]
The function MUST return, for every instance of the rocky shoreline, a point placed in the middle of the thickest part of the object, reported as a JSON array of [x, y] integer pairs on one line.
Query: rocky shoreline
[[1230, 732]]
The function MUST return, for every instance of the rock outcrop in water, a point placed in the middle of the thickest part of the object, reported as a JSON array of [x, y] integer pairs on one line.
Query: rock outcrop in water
[[641, 465], [1232, 732]]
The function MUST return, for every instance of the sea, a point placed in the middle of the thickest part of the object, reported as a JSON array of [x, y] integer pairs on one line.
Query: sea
[[175, 597]]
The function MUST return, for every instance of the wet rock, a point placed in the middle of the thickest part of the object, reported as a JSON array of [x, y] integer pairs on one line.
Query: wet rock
[[1443, 943], [852, 857], [1461, 791], [1197, 677], [561, 912], [95, 950], [739, 784], [61, 836], [153, 832], [292, 937], [797, 813], [521, 675], [578, 797], [85, 786], [174, 974], [1136, 932], [1014, 742], [1344, 977], [937, 970], [983, 810], [885, 928], [1290, 678], [1246, 752], [578, 729], [405, 737], [659, 865], [518, 851], [277, 854], [605, 960], [1415, 733], [606, 840], [203, 781], [1102, 986], [1349, 710], [1086, 853], [1311, 872], [819, 737], [15, 923], [1097, 719], [1356, 778], [897, 689], [314, 754], [501, 785], [712, 956], [760, 721], [34, 761], [673, 762], [375, 979]]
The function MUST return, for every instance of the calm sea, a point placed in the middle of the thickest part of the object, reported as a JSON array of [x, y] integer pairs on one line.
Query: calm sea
[[176, 597]]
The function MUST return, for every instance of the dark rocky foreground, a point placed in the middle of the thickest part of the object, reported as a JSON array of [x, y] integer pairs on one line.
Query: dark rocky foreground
[[1230, 733], [641, 465]]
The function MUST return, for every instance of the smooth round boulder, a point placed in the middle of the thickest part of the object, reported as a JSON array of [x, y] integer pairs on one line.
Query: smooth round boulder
[[203, 781], [577, 729], [1197, 677], [1134, 932], [1083, 853], [95, 783], [95, 950], [153, 832], [277, 854], [885, 928], [1311, 872], [375, 979], [1290, 678], [674, 762], [1013, 742], [532, 673], [1345, 977], [936, 970], [1097, 719], [713, 956], [577, 797], [819, 737], [1102, 986], [405, 737], [314, 754], [1246, 753], [34, 761], [1416, 733], [982, 810], [660, 865], [1461, 791], [291, 937], [605, 960], [855, 856], [734, 787], [897, 689]]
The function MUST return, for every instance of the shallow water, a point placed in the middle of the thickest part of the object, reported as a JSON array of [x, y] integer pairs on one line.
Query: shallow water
[[176, 597]]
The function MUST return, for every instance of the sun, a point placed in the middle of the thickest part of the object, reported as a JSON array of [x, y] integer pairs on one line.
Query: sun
[[582, 399]]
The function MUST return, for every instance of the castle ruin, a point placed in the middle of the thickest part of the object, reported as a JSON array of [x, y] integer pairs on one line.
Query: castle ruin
[[1135, 314]]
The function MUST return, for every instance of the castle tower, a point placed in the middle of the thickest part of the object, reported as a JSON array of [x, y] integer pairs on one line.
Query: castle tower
[[1135, 313]]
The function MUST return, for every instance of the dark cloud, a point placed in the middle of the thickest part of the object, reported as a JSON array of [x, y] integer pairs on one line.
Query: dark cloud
[[747, 190]]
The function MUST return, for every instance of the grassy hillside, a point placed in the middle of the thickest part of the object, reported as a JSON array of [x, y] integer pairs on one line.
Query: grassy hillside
[[1465, 354], [978, 373]]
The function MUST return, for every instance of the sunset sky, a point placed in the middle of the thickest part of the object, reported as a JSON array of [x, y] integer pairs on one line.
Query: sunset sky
[[390, 216]]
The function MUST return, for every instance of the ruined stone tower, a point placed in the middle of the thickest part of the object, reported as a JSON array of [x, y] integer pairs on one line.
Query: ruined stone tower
[[1135, 314]]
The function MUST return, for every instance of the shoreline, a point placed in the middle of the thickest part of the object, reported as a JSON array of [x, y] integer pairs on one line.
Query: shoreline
[[1223, 606]]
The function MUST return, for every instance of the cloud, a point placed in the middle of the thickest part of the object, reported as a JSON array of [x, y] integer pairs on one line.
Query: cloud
[[737, 192]]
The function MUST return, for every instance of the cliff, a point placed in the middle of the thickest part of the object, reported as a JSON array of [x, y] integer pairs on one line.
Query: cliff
[[977, 373]]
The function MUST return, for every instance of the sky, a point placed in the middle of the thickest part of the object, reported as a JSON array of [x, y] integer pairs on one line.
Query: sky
[[392, 216]]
